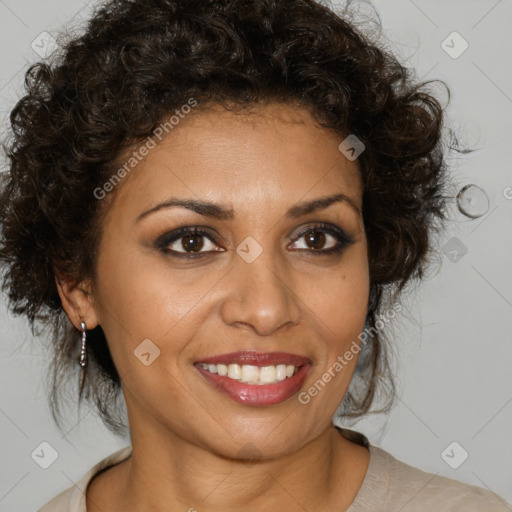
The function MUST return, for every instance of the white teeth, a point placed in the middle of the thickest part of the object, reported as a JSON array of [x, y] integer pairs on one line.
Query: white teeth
[[234, 371], [281, 372], [251, 374], [268, 374]]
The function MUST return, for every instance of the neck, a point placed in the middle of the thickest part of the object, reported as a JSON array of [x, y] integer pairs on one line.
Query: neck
[[325, 473]]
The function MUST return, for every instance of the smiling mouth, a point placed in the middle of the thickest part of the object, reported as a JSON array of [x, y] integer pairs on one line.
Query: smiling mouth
[[253, 378], [253, 374]]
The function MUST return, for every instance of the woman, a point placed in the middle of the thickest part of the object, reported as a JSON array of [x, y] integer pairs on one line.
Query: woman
[[215, 203]]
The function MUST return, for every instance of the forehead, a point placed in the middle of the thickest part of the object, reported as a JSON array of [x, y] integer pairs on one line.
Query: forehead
[[265, 156]]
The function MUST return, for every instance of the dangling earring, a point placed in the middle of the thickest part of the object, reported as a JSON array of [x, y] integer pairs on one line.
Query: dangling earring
[[83, 351], [82, 361]]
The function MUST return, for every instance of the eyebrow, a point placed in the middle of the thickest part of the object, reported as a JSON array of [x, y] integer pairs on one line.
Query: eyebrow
[[216, 211]]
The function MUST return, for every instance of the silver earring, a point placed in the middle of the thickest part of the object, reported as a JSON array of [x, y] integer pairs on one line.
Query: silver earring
[[83, 351]]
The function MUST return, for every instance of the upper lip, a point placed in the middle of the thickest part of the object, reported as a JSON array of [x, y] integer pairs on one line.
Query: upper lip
[[256, 359]]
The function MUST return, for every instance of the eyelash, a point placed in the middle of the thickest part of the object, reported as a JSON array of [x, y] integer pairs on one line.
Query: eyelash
[[165, 240]]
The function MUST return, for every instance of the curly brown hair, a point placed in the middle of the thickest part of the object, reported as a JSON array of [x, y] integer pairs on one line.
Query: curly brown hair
[[137, 61]]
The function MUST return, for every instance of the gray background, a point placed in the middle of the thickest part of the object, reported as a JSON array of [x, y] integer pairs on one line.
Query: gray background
[[453, 342]]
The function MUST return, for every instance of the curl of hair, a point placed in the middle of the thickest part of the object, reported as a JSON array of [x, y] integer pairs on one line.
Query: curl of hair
[[138, 61]]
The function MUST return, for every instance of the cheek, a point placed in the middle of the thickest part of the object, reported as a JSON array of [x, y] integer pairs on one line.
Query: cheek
[[141, 301], [340, 314], [339, 300]]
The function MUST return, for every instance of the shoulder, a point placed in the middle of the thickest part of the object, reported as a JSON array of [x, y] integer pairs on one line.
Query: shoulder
[[73, 498], [60, 503], [416, 490]]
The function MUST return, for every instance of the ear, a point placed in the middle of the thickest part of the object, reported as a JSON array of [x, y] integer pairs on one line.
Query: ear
[[77, 301]]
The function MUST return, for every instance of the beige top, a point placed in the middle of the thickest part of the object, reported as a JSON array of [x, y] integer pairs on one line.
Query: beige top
[[390, 485]]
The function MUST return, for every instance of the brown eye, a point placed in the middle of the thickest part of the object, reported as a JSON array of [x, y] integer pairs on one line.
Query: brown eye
[[192, 243], [315, 239], [322, 239], [188, 242]]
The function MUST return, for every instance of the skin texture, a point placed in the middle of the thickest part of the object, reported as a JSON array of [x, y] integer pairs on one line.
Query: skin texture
[[188, 438]]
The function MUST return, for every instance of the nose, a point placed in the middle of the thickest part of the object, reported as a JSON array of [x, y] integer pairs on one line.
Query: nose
[[260, 296]]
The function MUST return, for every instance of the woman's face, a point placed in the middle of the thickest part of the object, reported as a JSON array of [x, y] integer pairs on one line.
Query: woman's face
[[249, 282]]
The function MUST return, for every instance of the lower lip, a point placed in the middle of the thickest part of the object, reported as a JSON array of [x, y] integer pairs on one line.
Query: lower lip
[[255, 394]]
